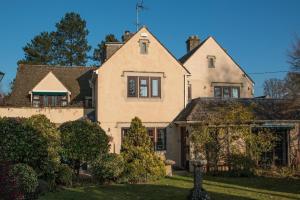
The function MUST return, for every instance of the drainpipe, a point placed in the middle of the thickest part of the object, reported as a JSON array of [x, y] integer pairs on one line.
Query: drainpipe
[[184, 91]]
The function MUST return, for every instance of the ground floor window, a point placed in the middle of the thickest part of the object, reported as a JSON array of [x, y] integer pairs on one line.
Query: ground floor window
[[158, 137]]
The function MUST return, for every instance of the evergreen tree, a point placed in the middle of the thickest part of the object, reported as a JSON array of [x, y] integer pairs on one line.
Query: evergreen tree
[[70, 41], [39, 50], [99, 52], [141, 162]]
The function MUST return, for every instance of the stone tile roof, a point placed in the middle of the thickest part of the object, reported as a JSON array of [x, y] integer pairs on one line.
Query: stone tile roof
[[75, 79], [264, 109]]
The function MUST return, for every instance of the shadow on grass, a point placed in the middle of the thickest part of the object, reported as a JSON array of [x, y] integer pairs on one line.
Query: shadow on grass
[[262, 183], [134, 192]]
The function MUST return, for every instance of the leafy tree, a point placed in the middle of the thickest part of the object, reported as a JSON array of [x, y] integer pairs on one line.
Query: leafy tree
[[39, 50], [275, 88], [70, 41], [83, 141], [99, 52], [141, 162]]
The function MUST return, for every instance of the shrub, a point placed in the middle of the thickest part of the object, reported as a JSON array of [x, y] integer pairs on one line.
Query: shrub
[[64, 175], [83, 141], [108, 168], [33, 141], [24, 177], [141, 162], [241, 165]]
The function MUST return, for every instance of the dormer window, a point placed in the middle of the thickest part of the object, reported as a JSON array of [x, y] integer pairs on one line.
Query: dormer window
[[144, 44], [211, 61], [49, 99]]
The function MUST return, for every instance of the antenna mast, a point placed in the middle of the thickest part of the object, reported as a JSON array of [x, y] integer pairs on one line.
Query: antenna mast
[[139, 7]]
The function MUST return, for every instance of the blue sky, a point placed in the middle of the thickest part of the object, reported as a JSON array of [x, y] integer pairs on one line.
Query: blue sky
[[257, 33]]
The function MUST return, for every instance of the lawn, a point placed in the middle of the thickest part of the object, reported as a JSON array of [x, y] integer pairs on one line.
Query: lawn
[[178, 187]]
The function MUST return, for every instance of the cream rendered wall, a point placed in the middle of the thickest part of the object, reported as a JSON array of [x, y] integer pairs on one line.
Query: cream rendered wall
[[115, 110], [56, 115], [50, 84], [225, 71]]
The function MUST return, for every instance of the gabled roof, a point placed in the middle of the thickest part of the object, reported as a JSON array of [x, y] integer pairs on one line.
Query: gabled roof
[[184, 58], [156, 40], [75, 79], [264, 109], [44, 86], [189, 54]]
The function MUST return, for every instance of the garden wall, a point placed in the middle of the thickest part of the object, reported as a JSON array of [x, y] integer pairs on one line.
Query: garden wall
[[56, 115]]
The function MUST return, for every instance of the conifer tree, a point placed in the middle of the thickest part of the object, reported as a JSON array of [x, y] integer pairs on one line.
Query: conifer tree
[[141, 162]]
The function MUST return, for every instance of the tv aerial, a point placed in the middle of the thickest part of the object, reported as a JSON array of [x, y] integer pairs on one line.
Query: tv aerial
[[139, 8]]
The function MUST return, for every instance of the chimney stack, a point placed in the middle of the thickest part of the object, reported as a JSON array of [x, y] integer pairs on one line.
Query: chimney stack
[[127, 35], [192, 42]]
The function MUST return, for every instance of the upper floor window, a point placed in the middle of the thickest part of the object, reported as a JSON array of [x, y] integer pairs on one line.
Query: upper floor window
[[47, 100], [226, 92], [143, 86], [211, 61], [144, 44]]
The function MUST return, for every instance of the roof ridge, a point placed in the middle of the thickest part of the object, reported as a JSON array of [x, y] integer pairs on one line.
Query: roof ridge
[[57, 66]]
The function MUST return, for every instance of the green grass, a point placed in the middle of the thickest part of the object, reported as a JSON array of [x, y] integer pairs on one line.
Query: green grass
[[178, 187]]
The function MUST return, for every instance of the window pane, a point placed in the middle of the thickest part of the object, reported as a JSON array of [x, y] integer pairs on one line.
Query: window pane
[[132, 86], [54, 101], [45, 101], [143, 91], [143, 87], [226, 92], [36, 103], [154, 87], [211, 62], [124, 132], [143, 46], [161, 139], [217, 92], [235, 92]]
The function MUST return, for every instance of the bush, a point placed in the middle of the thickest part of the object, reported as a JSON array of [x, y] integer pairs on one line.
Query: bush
[[64, 175], [34, 141], [141, 162], [24, 177], [83, 141], [108, 168]]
